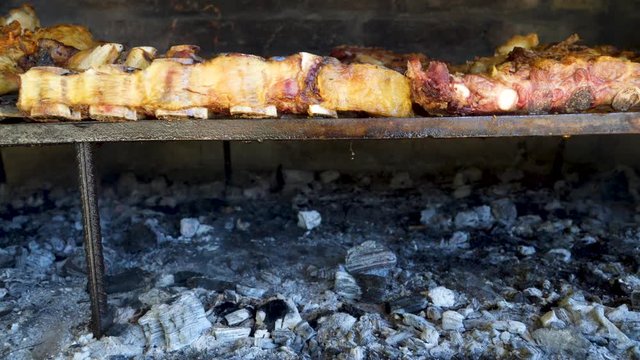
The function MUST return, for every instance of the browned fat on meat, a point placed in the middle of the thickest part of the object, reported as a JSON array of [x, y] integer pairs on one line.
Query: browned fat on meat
[[234, 84], [571, 85], [376, 56], [560, 78], [24, 44]]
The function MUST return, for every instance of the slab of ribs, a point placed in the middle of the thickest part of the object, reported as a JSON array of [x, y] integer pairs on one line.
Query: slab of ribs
[[62, 72]]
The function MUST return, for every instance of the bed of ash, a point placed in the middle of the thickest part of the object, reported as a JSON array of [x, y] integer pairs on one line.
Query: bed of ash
[[300, 265]]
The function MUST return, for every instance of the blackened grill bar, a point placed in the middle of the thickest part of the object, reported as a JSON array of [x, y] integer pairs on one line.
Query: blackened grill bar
[[321, 129]]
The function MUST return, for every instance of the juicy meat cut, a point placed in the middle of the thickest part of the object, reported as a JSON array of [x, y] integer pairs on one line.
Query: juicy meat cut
[[23, 44], [237, 84], [564, 77], [377, 56]]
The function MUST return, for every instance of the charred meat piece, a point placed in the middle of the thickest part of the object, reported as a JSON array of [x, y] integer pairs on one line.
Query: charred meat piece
[[48, 53], [375, 56], [75, 36], [564, 77], [24, 15], [23, 44]]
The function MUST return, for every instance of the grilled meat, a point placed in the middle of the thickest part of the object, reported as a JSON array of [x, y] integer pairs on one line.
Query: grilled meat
[[375, 56], [235, 84], [564, 77], [24, 15], [23, 44]]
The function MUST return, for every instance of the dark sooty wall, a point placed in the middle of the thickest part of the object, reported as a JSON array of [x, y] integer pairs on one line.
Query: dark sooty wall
[[448, 29]]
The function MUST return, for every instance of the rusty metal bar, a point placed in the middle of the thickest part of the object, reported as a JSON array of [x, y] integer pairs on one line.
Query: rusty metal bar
[[92, 238], [309, 129]]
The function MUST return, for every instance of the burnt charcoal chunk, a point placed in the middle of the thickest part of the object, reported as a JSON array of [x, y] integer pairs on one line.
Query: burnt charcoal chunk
[[616, 187], [209, 284], [353, 310], [504, 211], [374, 288], [370, 258], [180, 278], [409, 304], [193, 279], [119, 357], [580, 100], [274, 310], [127, 280], [139, 238], [225, 308], [5, 308]]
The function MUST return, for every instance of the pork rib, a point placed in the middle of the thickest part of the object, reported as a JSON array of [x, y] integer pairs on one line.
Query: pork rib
[[565, 77], [235, 84], [23, 44]]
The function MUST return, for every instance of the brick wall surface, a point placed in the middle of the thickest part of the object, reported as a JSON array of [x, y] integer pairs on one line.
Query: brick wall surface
[[449, 29]]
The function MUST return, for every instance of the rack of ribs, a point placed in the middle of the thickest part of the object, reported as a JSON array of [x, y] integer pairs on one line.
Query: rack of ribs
[[525, 77], [182, 85]]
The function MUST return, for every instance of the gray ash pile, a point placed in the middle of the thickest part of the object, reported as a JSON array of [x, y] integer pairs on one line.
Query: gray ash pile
[[330, 266]]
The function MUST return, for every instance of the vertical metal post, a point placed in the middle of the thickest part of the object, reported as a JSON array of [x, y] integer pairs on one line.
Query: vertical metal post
[[226, 150], [92, 237]]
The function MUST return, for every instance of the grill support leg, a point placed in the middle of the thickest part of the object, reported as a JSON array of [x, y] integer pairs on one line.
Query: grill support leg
[[92, 237], [226, 150]]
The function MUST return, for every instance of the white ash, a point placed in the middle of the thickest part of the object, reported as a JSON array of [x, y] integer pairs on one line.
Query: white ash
[[309, 220], [175, 325], [154, 297], [189, 227], [249, 291], [452, 320], [515, 297], [563, 254], [230, 334], [346, 285], [526, 250], [237, 317], [442, 297], [479, 217], [370, 258], [333, 329], [459, 240], [426, 215]]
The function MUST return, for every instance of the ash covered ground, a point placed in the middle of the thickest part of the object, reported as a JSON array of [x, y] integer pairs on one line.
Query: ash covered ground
[[301, 265]]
